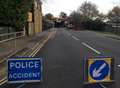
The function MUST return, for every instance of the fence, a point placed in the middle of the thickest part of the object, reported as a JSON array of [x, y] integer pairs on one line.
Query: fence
[[9, 36], [10, 42], [113, 29]]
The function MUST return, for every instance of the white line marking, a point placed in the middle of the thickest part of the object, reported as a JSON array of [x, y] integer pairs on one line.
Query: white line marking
[[118, 65], [97, 53], [21, 86], [91, 48], [102, 85], [75, 38]]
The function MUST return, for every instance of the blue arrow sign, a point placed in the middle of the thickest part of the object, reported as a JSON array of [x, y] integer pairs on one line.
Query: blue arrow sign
[[24, 70], [99, 69]]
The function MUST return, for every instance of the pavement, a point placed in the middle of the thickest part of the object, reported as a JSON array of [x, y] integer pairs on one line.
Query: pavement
[[28, 49], [109, 35], [8, 47], [63, 59], [13, 46]]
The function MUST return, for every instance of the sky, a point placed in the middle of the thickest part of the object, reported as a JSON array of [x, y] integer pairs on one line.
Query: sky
[[67, 6]]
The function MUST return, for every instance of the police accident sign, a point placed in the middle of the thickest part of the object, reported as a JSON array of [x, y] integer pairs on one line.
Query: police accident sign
[[27, 69]]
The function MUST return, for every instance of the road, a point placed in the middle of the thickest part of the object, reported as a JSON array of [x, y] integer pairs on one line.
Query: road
[[63, 59]]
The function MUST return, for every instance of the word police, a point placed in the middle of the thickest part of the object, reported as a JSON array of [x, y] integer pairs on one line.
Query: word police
[[22, 65]]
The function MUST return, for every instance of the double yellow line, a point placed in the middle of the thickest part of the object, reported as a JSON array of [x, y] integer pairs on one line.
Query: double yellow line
[[40, 46], [4, 80]]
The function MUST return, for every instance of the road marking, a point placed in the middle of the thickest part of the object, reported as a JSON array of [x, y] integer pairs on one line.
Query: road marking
[[21, 86], [96, 51], [118, 65], [75, 38], [41, 45], [4, 80], [102, 85]]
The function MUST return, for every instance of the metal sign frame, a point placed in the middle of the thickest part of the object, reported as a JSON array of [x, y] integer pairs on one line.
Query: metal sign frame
[[25, 58], [86, 68]]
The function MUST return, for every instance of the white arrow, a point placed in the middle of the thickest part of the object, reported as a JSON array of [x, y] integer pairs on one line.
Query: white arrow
[[96, 73]]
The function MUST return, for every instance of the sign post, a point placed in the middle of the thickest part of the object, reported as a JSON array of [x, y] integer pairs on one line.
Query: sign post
[[24, 70]]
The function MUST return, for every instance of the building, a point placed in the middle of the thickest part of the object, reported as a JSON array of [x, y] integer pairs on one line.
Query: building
[[35, 18]]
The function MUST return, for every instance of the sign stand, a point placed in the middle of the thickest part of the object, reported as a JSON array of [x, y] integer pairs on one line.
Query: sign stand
[[98, 70]]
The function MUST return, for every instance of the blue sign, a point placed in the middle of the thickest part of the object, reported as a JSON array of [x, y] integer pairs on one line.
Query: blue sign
[[99, 69], [24, 70]]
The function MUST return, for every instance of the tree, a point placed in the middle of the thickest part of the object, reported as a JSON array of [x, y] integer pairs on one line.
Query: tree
[[102, 16], [80, 22], [75, 19], [47, 21], [87, 17], [49, 16], [114, 14], [88, 10], [63, 15], [96, 25], [15, 13]]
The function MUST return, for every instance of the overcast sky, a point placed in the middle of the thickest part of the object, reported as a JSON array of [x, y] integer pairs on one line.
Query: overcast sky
[[67, 6]]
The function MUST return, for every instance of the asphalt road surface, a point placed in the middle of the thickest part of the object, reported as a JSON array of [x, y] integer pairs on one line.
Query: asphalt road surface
[[63, 59]]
